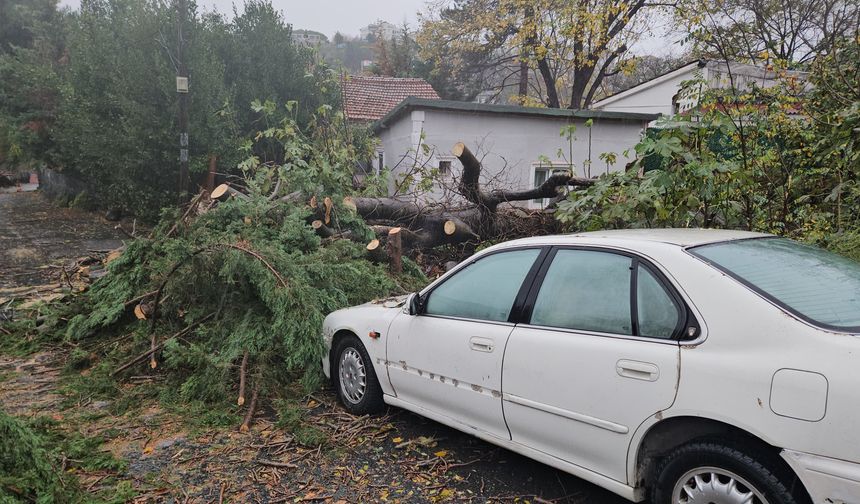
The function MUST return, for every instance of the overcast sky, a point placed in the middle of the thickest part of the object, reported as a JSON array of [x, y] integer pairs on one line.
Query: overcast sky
[[349, 16], [327, 16]]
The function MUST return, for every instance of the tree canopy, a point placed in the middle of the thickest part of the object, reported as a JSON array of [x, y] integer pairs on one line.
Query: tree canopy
[[93, 93], [568, 47], [787, 32]]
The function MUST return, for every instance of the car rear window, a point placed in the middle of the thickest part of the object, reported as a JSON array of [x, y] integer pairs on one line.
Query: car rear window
[[816, 285]]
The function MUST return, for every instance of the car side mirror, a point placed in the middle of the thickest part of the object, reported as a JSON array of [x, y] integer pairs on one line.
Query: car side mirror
[[415, 303]]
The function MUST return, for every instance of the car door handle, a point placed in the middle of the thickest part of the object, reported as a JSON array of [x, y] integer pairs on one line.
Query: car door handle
[[637, 370], [481, 344]]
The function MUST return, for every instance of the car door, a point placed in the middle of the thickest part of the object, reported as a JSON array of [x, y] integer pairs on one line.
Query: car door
[[596, 357], [448, 357]]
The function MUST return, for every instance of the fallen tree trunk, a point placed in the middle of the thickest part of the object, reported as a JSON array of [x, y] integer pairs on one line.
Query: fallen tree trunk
[[479, 216], [224, 191], [475, 219]]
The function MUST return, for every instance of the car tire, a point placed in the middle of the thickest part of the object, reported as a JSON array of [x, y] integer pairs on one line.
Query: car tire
[[676, 477], [355, 379]]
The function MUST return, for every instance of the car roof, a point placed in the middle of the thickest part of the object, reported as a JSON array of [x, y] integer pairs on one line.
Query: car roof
[[681, 237]]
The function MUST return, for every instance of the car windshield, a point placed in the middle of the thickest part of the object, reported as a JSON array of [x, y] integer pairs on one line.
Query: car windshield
[[817, 285]]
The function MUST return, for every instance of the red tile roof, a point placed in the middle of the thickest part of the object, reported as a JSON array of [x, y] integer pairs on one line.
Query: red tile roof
[[369, 98]]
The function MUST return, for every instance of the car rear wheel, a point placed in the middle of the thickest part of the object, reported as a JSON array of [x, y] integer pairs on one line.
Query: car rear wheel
[[713, 473], [355, 378]]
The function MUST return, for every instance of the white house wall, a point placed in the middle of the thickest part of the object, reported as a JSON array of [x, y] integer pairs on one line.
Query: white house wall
[[509, 145], [397, 148], [656, 96], [656, 99]]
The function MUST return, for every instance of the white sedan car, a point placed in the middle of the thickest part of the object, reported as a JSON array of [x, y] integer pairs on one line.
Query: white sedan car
[[684, 366]]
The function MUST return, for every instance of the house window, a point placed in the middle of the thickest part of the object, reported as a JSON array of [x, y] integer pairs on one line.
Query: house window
[[380, 162], [542, 172], [444, 167]]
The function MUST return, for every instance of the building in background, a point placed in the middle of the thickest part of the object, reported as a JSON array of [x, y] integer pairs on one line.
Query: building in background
[[380, 29], [664, 94], [520, 147], [308, 38], [368, 98]]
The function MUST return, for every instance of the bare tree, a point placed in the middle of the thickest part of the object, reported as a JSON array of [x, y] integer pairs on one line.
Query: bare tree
[[644, 68], [792, 32]]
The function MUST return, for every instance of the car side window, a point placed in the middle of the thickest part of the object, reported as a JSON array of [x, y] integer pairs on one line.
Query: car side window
[[586, 290], [485, 289], [658, 312]]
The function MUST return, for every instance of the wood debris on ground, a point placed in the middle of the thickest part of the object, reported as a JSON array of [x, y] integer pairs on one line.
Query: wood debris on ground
[[71, 277], [396, 457]]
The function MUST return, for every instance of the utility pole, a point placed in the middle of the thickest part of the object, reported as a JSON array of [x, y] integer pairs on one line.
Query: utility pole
[[182, 92]]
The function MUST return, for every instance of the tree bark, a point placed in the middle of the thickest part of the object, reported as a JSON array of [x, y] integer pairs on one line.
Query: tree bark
[[376, 250], [224, 190], [552, 100], [577, 93], [246, 423], [523, 90], [242, 370], [395, 251], [322, 230], [210, 176], [470, 187], [476, 219]]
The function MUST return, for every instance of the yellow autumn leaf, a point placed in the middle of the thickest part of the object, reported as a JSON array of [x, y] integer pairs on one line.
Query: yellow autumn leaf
[[397, 440], [441, 453]]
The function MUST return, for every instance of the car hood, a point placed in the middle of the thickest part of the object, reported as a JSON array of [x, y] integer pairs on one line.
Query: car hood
[[389, 302], [373, 316], [377, 305]]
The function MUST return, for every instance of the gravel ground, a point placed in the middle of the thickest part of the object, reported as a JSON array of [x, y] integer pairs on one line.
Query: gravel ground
[[36, 237]]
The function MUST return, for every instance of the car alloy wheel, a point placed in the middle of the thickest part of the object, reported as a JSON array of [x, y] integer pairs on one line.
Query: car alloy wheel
[[353, 376], [710, 485]]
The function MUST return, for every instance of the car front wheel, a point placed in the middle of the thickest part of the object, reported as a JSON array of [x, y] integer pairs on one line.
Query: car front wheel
[[355, 378], [712, 473]]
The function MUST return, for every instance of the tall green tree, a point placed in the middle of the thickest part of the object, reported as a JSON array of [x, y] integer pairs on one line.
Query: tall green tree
[[116, 125], [31, 54], [23, 22]]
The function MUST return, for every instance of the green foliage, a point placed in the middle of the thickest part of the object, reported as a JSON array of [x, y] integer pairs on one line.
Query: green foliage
[[291, 417], [31, 48], [783, 160], [32, 453], [199, 414], [83, 201], [248, 275], [28, 469], [846, 243], [686, 182], [84, 451], [92, 93], [396, 57], [23, 22]]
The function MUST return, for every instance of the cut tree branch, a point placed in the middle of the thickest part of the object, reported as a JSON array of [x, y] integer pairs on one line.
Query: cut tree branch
[[425, 226]]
